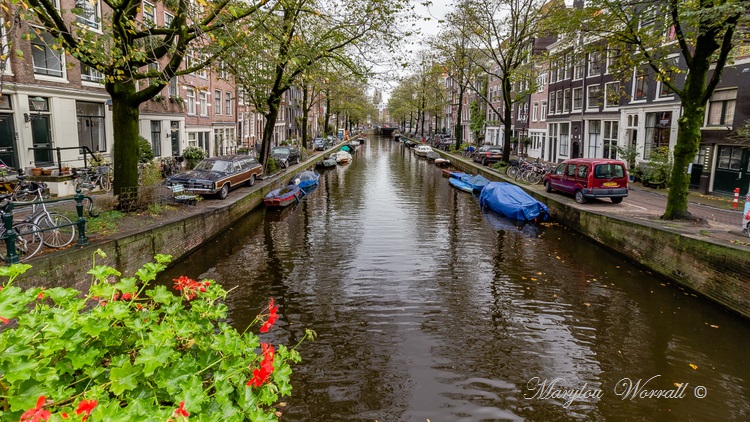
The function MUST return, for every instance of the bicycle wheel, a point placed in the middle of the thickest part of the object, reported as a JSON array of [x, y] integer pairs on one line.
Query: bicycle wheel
[[105, 182], [58, 232], [512, 171], [29, 240], [534, 178], [24, 196]]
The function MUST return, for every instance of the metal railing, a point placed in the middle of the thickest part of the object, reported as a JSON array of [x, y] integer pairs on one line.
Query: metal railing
[[86, 151], [10, 235]]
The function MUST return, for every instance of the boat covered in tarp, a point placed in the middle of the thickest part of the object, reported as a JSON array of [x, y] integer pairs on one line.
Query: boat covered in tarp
[[307, 179], [512, 202], [342, 157], [467, 182], [347, 148], [432, 155], [329, 161], [283, 196], [460, 184]]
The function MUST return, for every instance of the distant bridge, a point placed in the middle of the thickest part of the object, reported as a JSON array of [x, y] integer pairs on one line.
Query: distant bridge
[[388, 128]]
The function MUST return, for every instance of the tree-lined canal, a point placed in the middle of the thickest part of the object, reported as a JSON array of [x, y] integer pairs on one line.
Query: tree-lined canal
[[426, 308]]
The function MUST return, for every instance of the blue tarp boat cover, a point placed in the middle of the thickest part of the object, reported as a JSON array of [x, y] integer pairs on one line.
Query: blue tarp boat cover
[[460, 184], [477, 182], [458, 174], [307, 178], [512, 202]]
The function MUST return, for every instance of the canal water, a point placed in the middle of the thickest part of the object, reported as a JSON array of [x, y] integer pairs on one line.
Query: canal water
[[428, 308]]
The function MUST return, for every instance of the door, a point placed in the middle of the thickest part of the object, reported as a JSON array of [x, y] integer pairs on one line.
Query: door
[[175, 137], [745, 174], [8, 141], [41, 136], [569, 181]]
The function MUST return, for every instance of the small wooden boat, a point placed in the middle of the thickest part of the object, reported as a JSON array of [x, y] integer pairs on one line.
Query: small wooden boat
[[442, 162], [460, 185], [283, 196], [327, 162]]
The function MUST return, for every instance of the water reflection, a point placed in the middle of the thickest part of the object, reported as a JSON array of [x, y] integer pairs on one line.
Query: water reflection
[[426, 307]]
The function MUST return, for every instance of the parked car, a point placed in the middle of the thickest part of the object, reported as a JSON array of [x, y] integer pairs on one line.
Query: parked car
[[217, 175], [488, 154], [286, 156], [588, 178], [320, 144]]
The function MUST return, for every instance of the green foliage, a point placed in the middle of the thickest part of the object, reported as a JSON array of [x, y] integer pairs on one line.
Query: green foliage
[[272, 166], [629, 154], [659, 170], [193, 153], [150, 174], [477, 121], [145, 154], [106, 223], [136, 352]]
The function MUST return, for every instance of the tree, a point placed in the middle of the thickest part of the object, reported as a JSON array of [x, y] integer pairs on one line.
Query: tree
[[301, 34], [477, 121], [704, 33], [128, 43], [502, 38]]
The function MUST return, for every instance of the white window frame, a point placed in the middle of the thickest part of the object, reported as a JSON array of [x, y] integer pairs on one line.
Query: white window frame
[[543, 112], [578, 90], [559, 105], [218, 101], [149, 19], [607, 87], [594, 57], [566, 100], [579, 67], [191, 108], [723, 97], [168, 18], [90, 75], [535, 112], [228, 103], [60, 53], [590, 88], [645, 79], [92, 9], [203, 103], [552, 102]]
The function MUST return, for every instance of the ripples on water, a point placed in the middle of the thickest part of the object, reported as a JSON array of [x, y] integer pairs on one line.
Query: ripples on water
[[426, 308]]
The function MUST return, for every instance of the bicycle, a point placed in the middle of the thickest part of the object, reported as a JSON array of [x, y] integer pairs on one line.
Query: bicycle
[[57, 230], [86, 179], [171, 165], [28, 235]]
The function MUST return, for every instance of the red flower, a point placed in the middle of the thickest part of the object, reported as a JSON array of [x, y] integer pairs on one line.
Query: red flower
[[4, 320], [189, 287], [272, 317], [36, 414], [86, 406], [260, 375], [180, 411], [40, 295], [127, 296], [64, 415]]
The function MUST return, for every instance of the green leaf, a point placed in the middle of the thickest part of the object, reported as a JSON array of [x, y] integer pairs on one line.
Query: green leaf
[[153, 357], [160, 295], [124, 377]]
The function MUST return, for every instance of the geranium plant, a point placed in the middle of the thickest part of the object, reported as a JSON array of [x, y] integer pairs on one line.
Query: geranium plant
[[126, 351]]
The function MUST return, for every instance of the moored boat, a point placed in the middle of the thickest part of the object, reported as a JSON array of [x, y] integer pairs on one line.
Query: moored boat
[[342, 157], [422, 150], [442, 162], [283, 196], [460, 185], [307, 179], [512, 201], [327, 162]]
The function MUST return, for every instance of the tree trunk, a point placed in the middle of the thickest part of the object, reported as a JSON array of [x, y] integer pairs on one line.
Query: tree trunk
[[125, 118], [459, 127], [507, 111], [304, 118], [685, 150], [326, 126], [273, 111]]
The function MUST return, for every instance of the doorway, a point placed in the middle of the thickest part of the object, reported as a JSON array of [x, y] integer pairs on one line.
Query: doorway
[[7, 141], [41, 136]]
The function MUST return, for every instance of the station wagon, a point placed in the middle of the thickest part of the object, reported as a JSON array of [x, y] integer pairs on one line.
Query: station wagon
[[217, 175]]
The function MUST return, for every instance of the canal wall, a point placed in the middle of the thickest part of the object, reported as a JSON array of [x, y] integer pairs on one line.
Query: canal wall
[[177, 237], [716, 271]]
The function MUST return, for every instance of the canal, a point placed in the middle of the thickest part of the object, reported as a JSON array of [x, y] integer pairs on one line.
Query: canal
[[428, 308]]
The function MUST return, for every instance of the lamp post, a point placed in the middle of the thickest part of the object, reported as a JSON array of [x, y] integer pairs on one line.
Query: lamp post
[[38, 104]]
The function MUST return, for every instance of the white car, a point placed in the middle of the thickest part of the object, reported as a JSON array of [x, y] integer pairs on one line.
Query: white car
[[422, 150]]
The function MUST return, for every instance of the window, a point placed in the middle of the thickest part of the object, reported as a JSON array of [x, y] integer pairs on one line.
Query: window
[[152, 67], [543, 112], [217, 102], [640, 84], [583, 172], [578, 66], [610, 139], [168, 18], [46, 61], [149, 14], [564, 138], [612, 95], [173, 88], [658, 127], [595, 136], [730, 158], [612, 56], [535, 112], [566, 101], [87, 12], [228, 99], [593, 97], [721, 108], [553, 130], [202, 71], [156, 137], [559, 105], [552, 102], [90, 74], [569, 65], [595, 64], [203, 102], [91, 126], [577, 98], [553, 72], [541, 81], [192, 142], [571, 171], [191, 101]]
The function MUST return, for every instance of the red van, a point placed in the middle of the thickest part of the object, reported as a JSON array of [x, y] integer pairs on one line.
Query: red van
[[588, 178]]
